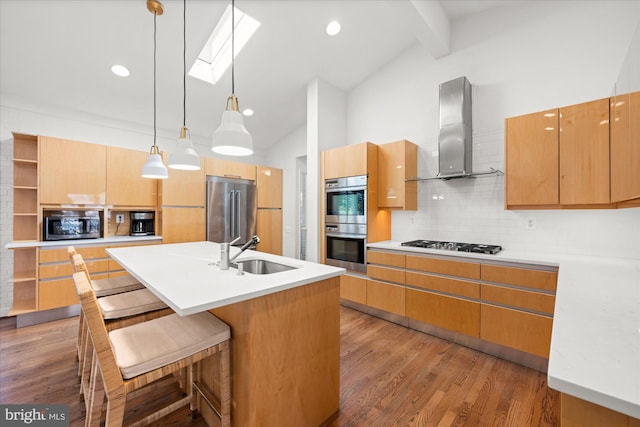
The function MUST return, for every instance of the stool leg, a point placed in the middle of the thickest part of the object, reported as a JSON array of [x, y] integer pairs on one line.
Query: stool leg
[[225, 385]]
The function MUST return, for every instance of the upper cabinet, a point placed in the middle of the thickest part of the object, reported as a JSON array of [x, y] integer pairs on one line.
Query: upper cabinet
[[183, 188], [625, 147], [229, 169], [269, 187], [350, 160], [125, 184], [584, 153], [531, 151], [72, 172], [561, 158], [397, 161]]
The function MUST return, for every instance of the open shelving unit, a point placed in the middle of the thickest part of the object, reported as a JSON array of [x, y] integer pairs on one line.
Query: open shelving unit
[[25, 223]]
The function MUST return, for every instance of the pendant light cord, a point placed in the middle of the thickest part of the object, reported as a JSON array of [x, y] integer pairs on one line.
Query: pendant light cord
[[233, 53], [155, 15], [184, 63]]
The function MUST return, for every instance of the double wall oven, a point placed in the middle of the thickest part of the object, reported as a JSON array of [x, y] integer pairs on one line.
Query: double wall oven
[[346, 222]]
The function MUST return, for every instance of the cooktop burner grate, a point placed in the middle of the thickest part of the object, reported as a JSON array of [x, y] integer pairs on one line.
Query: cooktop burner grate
[[454, 246]]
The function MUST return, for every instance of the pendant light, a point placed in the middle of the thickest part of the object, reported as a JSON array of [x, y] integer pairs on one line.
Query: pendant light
[[154, 168], [184, 157], [232, 138]]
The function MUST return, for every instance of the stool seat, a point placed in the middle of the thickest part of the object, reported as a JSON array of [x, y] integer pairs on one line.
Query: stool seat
[[150, 345], [115, 285], [129, 303]]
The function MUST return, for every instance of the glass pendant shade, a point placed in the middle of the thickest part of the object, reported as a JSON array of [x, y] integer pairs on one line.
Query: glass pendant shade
[[184, 157], [232, 138], [154, 168]]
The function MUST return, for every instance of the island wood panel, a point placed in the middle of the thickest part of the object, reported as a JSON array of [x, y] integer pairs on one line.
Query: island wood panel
[[285, 356], [531, 158], [385, 273], [468, 270], [182, 224], [125, 184], [447, 285], [534, 301], [230, 169], [584, 153], [72, 172], [353, 288], [446, 312], [575, 412], [57, 293], [182, 188], [269, 187], [625, 147], [386, 258], [524, 277], [386, 296], [269, 229], [526, 331]]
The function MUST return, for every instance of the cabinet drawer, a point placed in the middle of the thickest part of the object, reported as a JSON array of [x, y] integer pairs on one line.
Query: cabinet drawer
[[527, 300], [451, 313], [441, 266], [56, 293], [386, 258], [463, 288], [527, 332], [353, 288], [385, 273], [535, 279], [65, 269], [386, 296], [59, 255]]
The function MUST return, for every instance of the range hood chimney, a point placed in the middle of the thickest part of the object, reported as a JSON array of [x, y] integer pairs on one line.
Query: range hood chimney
[[454, 137]]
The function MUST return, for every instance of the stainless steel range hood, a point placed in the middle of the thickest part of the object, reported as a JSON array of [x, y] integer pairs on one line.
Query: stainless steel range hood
[[455, 135]]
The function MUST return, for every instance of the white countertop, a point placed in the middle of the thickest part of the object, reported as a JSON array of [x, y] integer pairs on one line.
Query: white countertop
[[81, 242], [180, 274], [595, 343]]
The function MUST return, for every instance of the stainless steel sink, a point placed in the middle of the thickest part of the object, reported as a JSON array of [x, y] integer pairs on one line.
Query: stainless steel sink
[[261, 266]]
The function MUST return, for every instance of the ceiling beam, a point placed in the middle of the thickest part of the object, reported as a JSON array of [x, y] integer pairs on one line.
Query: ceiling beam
[[428, 21]]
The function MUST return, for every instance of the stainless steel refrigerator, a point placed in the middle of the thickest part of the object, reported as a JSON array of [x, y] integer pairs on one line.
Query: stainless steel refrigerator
[[231, 209]]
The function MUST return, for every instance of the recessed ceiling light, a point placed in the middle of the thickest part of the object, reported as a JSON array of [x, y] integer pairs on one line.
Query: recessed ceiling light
[[333, 28], [120, 70], [215, 56], [247, 112]]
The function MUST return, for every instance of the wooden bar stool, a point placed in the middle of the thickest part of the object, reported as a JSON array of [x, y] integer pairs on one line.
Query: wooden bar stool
[[127, 359]]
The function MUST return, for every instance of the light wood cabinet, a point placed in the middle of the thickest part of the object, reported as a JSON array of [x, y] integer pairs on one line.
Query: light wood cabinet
[[521, 277], [25, 281], [575, 412], [229, 169], [183, 224], [72, 172], [183, 188], [269, 187], [584, 153], [386, 296], [470, 270], [396, 275], [447, 285], [531, 159], [625, 147], [269, 229], [353, 288], [350, 160], [398, 161], [455, 314], [125, 184]]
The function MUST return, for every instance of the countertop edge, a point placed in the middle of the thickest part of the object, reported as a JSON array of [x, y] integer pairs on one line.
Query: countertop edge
[[80, 242]]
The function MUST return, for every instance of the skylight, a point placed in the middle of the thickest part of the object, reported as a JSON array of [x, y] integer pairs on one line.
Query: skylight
[[215, 56]]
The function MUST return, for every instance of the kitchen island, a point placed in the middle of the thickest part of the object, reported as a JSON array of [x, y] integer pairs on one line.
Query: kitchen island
[[285, 327]]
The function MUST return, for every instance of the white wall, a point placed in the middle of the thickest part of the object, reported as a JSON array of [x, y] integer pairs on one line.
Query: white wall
[[528, 58]]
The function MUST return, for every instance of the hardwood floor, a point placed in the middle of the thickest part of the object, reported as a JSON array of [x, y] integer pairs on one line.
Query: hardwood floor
[[390, 376]]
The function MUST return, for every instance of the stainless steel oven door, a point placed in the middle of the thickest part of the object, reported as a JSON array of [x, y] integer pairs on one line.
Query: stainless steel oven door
[[346, 200], [346, 250]]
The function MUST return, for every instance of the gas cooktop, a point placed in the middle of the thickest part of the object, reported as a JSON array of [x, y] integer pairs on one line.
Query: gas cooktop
[[454, 246]]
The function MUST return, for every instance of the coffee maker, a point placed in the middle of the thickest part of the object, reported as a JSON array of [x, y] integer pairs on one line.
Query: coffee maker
[[142, 223]]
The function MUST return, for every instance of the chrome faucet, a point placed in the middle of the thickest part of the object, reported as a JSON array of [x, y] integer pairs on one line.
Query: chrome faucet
[[225, 248]]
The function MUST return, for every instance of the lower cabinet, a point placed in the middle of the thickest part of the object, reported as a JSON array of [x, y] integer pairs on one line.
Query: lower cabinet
[[386, 296], [455, 314], [353, 288]]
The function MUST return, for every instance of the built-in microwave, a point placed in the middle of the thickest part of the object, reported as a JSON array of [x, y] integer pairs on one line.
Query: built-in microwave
[[346, 246], [346, 200], [69, 224]]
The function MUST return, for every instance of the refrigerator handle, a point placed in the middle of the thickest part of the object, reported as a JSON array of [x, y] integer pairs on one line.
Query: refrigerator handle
[[231, 217], [237, 218]]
